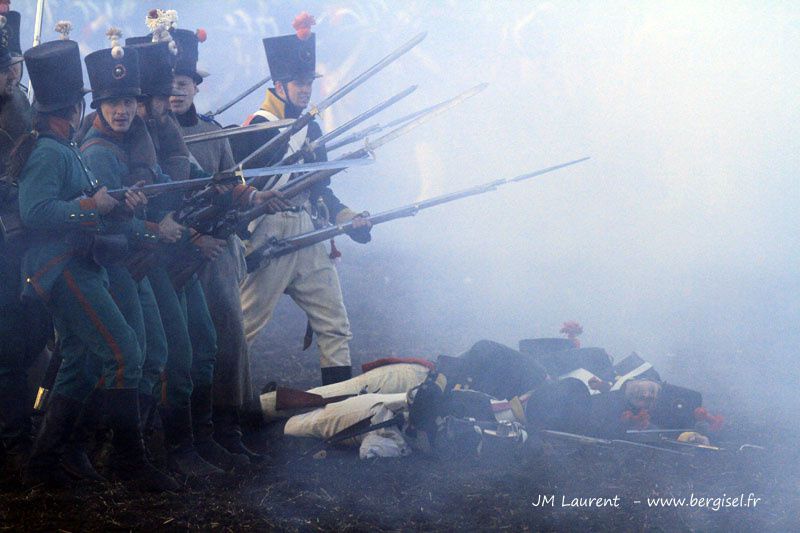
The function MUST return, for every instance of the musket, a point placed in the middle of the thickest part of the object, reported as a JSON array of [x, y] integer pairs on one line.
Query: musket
[[239, 98], [377, 128], [297, 399], [199, 209], [171, 186], [275, 248], [212, 221], [37, 35], [583, 439], [224, 133], [236, 221], [315, 110], [313, 145], [306, 181]]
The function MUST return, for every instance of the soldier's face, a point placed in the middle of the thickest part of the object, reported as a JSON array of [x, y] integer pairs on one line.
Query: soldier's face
[[118, 113], [642, 394], [187, 86], [298, 92], [9, 79], [155, 108]]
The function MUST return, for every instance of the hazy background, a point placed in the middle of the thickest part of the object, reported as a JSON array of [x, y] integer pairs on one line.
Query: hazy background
[[678, 239]]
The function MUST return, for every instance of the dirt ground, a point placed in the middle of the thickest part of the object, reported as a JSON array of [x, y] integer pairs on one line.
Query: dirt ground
[[342, 493]]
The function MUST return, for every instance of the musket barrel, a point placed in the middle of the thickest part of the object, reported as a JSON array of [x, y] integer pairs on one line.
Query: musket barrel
[[409, 122], [236, 100], [363, 116], [282, 247], [304, 119], [230, 132]]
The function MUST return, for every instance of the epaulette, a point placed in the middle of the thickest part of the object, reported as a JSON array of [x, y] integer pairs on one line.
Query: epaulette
[[209, 119]]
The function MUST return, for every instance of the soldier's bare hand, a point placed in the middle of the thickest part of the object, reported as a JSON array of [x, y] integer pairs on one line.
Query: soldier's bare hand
[[104, 201], [135, 198], [169, 230], [209, 247], [361, 221]]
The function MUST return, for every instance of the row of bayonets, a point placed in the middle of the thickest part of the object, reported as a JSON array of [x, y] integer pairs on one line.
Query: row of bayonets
[[206, 216]]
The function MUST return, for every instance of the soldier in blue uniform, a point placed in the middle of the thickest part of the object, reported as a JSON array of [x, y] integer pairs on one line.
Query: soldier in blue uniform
[[191, 336], [61, 268], [232, 387]]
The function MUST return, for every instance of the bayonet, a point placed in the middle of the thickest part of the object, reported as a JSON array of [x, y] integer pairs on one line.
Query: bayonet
[[377, 128], [304, 182], [239, 130], [310, 147], [236, 100], [37, 35]]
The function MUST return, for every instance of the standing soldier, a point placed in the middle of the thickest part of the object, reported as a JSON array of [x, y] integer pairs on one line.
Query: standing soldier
[[118, 149], [220, 278], [308, 276], [191, 336], [24, 326], [60, 268]]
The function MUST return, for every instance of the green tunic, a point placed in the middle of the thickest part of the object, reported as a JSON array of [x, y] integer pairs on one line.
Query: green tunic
[[93, 331], [106, 156]]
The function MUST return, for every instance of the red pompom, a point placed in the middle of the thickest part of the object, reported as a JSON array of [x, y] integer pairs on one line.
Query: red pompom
[[572, 330], [201, 35], [302, 25]]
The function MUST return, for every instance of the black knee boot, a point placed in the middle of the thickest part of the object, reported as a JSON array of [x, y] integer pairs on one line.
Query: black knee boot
[[59, 421], [203, 428], [228, 432], [75, 460], [182, 457], [336, 374], [130, 461], [15, 434]]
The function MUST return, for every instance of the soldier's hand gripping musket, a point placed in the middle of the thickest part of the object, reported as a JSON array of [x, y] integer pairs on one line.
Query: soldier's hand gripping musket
[[276, 248], [220, 223]]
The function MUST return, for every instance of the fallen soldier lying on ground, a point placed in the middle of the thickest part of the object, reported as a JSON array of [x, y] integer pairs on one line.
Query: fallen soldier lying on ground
[[456, 399]]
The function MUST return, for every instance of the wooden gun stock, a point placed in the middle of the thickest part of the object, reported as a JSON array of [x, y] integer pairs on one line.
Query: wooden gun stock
[[297, 399]]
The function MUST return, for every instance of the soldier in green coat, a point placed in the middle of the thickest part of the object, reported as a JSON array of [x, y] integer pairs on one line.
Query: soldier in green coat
[[232, 388], [112, 147], [191, 336], [61, 268]]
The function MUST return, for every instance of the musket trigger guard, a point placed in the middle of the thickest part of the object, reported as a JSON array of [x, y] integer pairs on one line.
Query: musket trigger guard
[[239, 173]]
